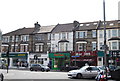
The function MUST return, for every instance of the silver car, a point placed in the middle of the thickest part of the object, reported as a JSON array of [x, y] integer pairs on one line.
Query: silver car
[[84, 72]]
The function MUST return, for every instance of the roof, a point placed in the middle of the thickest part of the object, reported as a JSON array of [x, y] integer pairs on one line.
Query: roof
[[88, 25], [21, 31], [63, 28], [45, 29]]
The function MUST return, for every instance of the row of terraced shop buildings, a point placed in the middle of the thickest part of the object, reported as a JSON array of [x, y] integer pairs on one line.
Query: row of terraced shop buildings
[[73, 44]]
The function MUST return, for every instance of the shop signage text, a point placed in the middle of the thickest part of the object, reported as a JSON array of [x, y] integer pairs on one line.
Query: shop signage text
[[87, 53], [58, 55]]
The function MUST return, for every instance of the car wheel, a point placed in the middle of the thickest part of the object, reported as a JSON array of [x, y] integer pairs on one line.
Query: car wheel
[[79, 75], [42, 70], [31, 69]]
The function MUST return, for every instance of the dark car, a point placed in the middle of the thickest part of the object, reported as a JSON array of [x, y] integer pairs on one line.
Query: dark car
[[39, 67], [115, 74]]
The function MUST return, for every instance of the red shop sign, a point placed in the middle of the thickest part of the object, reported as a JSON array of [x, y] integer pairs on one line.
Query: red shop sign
[[87, 53]]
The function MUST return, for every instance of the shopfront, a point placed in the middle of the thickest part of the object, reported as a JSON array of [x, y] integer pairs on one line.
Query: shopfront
[[114, 57], [15, 58], [57, 60], [81, 58]]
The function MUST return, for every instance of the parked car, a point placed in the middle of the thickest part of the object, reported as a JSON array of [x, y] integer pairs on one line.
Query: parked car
[[115, 74], [84, 72], [64, 68], [39, 67]]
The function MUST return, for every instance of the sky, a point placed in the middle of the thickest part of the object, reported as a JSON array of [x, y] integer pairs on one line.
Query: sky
[[15, 14]]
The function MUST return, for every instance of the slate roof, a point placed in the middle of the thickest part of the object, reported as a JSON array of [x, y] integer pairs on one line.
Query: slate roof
[[88, 25], [63, 28], [46, 29], [21, 31]]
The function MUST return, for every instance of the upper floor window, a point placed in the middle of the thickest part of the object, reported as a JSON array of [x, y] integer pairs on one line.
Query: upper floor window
[[101, 34], [6, 39], [114, 33], [13, 38], [82, 34], [49, 36], [25, 37], [77, 34], [63, 36], [93, 33], [109, 33], [53, 36], [119, 32]]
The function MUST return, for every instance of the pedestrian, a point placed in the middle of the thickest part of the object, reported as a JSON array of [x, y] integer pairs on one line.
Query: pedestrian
[[18, 64]]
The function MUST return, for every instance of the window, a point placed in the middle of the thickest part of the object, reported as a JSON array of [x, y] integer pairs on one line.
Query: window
[[25, 37], [6, 39], [13, 38], [119, 32], [119, 45], [68, 35], [114, 45], [66, 47], [24, 48], [93, 33], [87, 24], [101, 44], [82, 34], [63, 36], [93, 46], [77, 34], [53, 36], [17, 38], [111, 24], [81, 46], [101, 34], [53, 48], [39, 47], [114, 33], [59, 36], [61, 46], [109, 33], [49, 36]]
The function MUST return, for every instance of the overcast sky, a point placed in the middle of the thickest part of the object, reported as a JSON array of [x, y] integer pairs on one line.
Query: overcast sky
[[15, 14]]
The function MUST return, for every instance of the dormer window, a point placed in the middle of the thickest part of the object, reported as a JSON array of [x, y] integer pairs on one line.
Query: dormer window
[[87, 24]]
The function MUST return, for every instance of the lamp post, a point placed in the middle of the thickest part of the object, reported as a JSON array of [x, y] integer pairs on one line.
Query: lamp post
[[105, 46], [7, 54]]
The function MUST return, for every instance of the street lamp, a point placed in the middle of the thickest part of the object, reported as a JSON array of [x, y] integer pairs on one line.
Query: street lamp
[[105, 46]]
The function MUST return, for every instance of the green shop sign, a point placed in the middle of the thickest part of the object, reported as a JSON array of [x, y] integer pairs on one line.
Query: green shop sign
[[59, 55], [16, 55]]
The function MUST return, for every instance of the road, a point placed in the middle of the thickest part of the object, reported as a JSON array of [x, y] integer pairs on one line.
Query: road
[[25, 75]]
